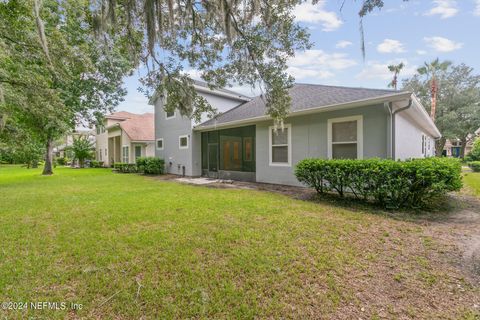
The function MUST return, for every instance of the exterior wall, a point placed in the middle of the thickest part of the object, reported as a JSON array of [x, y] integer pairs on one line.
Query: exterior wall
[[221, 103], [408, 139], [171, 129], [309, 140], [150, 149], [101, 144]]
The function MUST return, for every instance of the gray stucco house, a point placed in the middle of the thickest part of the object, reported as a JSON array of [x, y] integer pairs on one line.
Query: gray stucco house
[[324, 121]]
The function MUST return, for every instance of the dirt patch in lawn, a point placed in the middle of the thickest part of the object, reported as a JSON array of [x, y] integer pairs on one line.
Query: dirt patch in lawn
[[422, 265]]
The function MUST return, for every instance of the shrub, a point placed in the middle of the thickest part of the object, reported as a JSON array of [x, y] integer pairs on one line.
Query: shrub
[[125, 167], [474, 155], [151, 165], [412, 183], [474, 165], [96, 164], [62, 161]]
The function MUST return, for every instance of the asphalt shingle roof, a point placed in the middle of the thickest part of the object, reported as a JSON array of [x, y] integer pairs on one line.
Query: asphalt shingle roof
[[138, 127], [304, 97]]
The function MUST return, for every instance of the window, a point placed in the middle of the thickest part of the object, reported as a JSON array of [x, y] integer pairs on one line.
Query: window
[[100, 155], [345, 138], [125, 153], [183, 142], [138, 152], [106, 151], [280, 146], [169, 114], [160, 144]]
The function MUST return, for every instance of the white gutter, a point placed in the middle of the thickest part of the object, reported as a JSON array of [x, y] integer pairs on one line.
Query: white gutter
[[220, 93], [359, 103], [423, 115]]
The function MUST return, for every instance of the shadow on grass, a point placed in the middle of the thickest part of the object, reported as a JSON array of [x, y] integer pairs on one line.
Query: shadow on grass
[[442, 209]]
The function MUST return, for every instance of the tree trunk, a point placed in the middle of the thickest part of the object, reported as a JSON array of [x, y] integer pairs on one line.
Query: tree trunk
[[48, 168], [439, 145], [434, 104], [462, 148]]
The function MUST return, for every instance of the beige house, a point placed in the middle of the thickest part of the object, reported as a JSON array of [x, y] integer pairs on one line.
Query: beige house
[[453, 147], [124, 137]]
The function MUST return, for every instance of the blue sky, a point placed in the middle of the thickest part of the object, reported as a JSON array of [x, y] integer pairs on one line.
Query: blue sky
[[411, 32]]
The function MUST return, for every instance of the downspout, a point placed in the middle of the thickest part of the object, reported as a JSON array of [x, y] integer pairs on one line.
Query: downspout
[[393, 113]]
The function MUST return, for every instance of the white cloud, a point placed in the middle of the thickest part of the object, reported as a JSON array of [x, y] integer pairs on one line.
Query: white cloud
[[477, 8], [378, 70], [318, 64], [300, 73], [390, 46], [344, 43], [443, 8], [421, 52], [441, 44], [307, 12]]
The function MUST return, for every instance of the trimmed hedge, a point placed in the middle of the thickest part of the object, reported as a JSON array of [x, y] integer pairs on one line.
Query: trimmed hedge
[[125, 167], [394, 184], [96, 164], [474, 165], [151, 165], [146, 165]]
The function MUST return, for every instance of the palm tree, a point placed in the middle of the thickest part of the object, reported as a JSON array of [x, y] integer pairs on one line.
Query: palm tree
[[396, 70], [432, 70]]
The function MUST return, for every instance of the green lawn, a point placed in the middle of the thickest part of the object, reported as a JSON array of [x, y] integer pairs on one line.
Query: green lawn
[[127, 246], [472, 180]]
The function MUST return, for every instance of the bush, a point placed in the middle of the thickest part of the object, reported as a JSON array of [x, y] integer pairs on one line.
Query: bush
[[475, 166], [96, 164], [125, 167], [412, 183], [62, 161], [151, 165], [474, 155]]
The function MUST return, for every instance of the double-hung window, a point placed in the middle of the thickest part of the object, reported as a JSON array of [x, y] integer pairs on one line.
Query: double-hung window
[[160, 144], [345, 138], [183, 142], [125, 154], [280, 148]]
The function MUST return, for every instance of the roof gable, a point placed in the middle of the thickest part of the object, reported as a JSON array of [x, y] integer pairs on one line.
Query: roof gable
[[139, 127]]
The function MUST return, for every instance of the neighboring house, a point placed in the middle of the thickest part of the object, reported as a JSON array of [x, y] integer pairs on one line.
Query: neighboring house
[[124, 137], [453, 147], [67, 141], [324, 122]]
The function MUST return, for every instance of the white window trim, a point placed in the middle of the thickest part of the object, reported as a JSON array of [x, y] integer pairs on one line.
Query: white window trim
[[163, 144], [180, 138], [128, 154], [289, 145], [168, 118], [359, 141]]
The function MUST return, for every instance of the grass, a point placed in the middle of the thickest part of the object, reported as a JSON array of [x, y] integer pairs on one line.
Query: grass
[[472, 180], [127, 246]]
